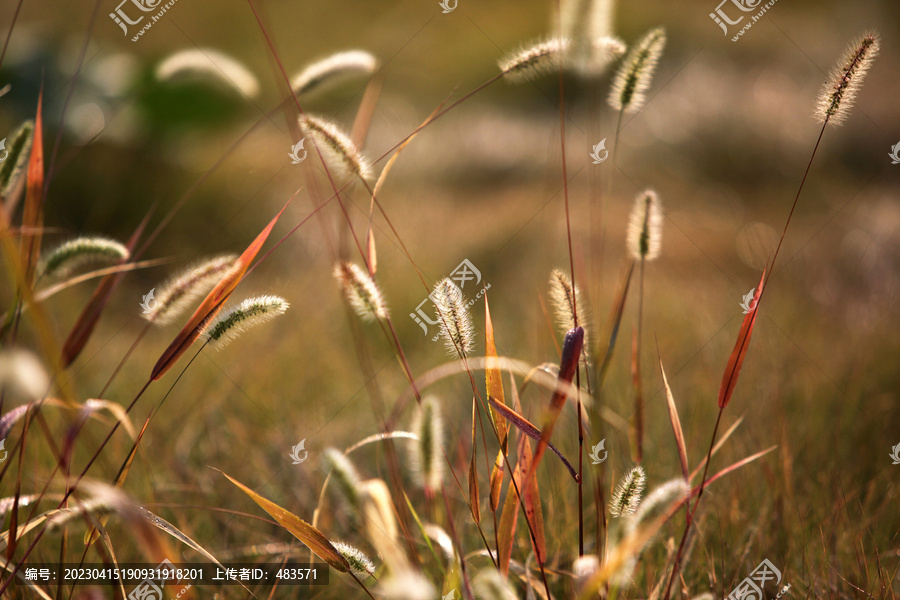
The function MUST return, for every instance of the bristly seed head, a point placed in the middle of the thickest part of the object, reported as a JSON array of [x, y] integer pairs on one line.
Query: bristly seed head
[[566, 299], [80, 252], [645, 227], [250, 312], [534, 61], [453, 315], [627, 496], [426, 455], [360, 564], [634, 76], [846, 78], [345, 478], [332, 70], [339, 152], [178, 293], [361, 291]]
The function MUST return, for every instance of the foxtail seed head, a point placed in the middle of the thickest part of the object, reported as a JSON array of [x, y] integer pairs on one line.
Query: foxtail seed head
[[361, 291], [360, 564], [332, 70], [250, 312], [627, 497], [846, 78], [211, 64], [634, 76], [338, 151], [453, 315], [180, 292], [80, 252], [427, 455], [645, 227], [534, 61]]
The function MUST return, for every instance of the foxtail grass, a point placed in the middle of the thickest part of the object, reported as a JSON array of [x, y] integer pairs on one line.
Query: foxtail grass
[[177, 294], [79, 252], [332, 71], [453, 315], [427, 453], [208, 64], [338, 151], [361, 291], [249, 313], [627, 497]]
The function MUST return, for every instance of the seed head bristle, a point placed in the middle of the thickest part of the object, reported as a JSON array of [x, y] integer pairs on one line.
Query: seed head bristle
[[566, 299], [338, 151], [205, 62], [250, 312], [331, 71], [645, 227], [360, 564], [453, 315], [634, 76], [13, 165], [627, 496], [845, 80], [361, 291], [589, 25], [660, 499], [82, 251], [426, 455], [534, 61], [345, 477], [181, 291]]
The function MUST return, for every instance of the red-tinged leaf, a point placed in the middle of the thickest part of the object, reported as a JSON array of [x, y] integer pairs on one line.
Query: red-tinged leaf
[[33, 213], [497, 473], [733, 467], [568, 363], [676, 423], [492, 376], [212, 304], [90, 315], [637, 421], [526, 427], [314, 539], [736, 360], [531, 501]]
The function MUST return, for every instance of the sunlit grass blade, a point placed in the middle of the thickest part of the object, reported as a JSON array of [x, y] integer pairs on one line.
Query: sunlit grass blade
[[33, 215], [675, 422], [736, 360], [733, 467]]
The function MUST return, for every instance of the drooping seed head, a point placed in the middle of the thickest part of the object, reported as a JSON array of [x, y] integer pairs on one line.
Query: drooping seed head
[[627, 497], [205, 63], [845, 80], [360, 564], [454, 318], [18, 150], [178, 293], [645, 227], [82, 251], [660, 499], [361, 291], [339, 152], [535, 61], [333, 70], [634, 76], [345, 477], [250, 312], [427, 457]]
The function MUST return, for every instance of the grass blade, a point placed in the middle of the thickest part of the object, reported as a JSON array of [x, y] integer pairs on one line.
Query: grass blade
[[736, 360], [675, 421], [33, 216]]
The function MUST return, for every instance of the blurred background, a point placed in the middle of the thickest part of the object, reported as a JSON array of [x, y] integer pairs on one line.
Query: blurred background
[[724, 139]]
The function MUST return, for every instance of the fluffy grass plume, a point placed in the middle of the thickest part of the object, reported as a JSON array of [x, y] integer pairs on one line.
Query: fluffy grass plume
[[426, 456], [627, 497], [331, 71], [660, 499], [534, 61], [79, 252], [184, 289], [250, 312], [453, 315], [644, 238], [589, 26], [490, 585], [206, 64], [846, 78], [634, 76], [566, 298], [22, 376], [360, 564], [339, 152], [12, 166], [361, 291], [345, 477]]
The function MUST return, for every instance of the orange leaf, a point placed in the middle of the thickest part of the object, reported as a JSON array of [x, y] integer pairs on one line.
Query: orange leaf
[[33, 213], [212, 304], [493, 381], [736, 360]]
